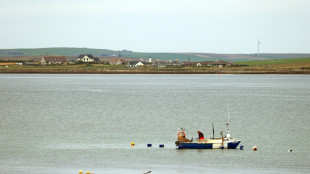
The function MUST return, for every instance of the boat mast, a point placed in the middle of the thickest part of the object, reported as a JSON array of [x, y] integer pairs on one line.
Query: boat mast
[[213, 130], [228, 133]]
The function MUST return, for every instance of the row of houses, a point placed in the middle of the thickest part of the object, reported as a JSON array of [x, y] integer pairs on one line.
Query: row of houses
[[89, 58], [216, 63], [52, 60], [159, 64]]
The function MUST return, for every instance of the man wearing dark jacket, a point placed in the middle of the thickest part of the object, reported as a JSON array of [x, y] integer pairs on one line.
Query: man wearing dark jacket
[[200, 135]]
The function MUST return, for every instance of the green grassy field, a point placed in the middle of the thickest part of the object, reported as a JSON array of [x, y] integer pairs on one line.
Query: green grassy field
[[284, 66], [274, 62]]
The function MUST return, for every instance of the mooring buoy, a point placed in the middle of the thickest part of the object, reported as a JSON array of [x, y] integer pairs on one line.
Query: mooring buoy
[[254, 148]]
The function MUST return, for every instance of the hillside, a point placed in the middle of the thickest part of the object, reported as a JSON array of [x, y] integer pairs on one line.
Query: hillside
[[74, 52], [95, 52]]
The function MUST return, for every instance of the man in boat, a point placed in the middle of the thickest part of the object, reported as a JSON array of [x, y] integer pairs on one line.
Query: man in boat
[[200, 135]]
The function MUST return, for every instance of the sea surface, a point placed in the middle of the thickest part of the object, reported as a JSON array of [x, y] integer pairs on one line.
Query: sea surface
[[61, 123]]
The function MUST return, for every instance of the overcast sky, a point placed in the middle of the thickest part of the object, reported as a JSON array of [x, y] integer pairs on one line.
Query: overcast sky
[[210, 26]]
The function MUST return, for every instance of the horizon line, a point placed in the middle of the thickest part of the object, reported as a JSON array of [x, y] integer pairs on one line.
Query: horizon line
[[151, 52]]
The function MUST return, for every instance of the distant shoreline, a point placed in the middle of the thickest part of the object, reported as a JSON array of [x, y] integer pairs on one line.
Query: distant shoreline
[[148, 72], [279, 68]]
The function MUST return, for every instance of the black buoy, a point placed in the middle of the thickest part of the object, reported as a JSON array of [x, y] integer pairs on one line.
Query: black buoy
[[149, 145], [161, 145], [241, 147]]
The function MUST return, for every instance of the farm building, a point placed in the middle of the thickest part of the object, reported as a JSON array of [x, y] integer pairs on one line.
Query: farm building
[[50, 60]]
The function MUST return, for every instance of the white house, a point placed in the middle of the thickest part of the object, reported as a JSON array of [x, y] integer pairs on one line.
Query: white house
[[87, 58], [134, 64]]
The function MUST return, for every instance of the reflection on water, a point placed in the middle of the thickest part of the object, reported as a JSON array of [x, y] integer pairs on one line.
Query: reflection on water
[[65, 123]]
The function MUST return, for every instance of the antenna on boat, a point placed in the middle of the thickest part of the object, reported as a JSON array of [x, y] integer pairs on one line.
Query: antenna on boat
[[213, 130], [228, 133]]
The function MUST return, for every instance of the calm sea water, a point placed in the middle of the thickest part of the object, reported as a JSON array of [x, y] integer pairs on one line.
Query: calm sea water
[[60, 124]]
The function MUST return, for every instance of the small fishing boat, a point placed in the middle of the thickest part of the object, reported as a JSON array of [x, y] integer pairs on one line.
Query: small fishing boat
[[225, 142]]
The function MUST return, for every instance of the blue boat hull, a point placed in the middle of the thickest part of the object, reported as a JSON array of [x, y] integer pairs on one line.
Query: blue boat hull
[[191, 145], [195, 146], [233, 145]]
